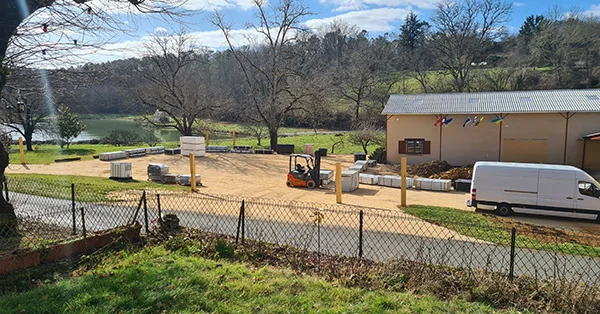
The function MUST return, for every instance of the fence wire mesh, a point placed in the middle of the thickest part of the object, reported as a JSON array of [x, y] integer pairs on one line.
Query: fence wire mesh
[[55, 213]]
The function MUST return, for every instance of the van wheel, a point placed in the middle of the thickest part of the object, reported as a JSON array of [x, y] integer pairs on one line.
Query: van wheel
[[504, 210]]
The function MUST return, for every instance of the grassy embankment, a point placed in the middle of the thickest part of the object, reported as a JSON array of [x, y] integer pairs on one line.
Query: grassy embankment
[[155, 280], [485, 228]]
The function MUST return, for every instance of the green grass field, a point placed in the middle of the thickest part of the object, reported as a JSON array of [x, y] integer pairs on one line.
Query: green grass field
[[46, 154], [155, 280], [480, 227], [88, 189]]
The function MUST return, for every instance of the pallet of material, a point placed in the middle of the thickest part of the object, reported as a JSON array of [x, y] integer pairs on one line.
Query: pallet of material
[[394, 181], [197, 153], [433, 184], [263, 151], [371, 163], [67, 159], [112, 156], [120, 171], [362, 163], [349, 181], [186, 179], [173, 151], [355, 167], [370, 179], [216, 149], [155, 150], [169, 178], [193, 140], [326, 176], [135, 152], [285, 148], [242, 149]]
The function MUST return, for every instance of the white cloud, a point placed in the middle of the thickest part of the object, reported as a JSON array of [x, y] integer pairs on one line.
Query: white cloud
[[519, 4], [374, 20], [593, 11], [353, 5], [160, 30]]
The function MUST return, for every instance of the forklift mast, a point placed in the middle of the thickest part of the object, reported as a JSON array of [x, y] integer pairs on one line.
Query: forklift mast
[[317, 170]]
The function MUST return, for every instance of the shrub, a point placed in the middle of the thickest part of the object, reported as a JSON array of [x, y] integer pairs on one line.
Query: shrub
[[149, 138], [122, 137], [6, 140], [379, 155]]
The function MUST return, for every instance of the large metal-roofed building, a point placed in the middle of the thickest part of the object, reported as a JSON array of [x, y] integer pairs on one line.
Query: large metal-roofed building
[[553, 126]]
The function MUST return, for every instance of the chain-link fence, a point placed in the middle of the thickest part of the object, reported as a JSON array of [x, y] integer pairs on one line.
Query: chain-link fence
[[345, 230]]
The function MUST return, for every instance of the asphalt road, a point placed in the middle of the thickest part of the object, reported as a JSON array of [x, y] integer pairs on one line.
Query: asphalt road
[[378, 246]]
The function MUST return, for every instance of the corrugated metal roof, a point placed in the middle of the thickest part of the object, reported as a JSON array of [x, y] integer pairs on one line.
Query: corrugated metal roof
[[542, 101]]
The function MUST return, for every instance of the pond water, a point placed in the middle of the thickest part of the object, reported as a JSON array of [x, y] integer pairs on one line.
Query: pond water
[[99, 128]]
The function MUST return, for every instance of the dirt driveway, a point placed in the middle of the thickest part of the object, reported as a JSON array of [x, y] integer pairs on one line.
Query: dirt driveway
[[264, 176]]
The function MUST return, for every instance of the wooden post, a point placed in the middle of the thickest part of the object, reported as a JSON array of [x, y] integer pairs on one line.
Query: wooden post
[[193, 171], [338, 183], [21, 150], [233, 138], [207, 138], [403, 182]]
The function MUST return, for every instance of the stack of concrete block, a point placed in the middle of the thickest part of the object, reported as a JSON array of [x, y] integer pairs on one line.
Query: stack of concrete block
[[372, 163], [172, 151], [326, 176], [363, 164], [242, 149], [135, 152], [433, 184], [263, 151], [192, 145], [120, 170], [170, 178], [370, 179], [394, 181], [216, 149], [350, 180], [155, 150], [356, 167], [156, 172], [186, 179], [112, 156]]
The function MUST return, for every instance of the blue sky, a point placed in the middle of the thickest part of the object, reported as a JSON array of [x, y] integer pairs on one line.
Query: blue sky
[[376, 16]]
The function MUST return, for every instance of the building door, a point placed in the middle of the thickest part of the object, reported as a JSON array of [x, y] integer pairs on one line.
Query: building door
[[534, 151]]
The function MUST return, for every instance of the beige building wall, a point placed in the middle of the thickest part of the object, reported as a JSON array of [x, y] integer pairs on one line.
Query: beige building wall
[[527, 137]]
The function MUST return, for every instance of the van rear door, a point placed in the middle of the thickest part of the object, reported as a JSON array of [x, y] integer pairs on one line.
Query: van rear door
[[556, 193]]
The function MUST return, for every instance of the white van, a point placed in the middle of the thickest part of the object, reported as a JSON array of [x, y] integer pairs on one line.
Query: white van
[[540, 189]]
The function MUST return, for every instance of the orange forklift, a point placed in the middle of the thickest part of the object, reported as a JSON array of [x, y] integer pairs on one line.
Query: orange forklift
[[301, 176]]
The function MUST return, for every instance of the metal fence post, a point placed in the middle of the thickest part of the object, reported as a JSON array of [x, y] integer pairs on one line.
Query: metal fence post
[[159, 210], [513, 238], [73, 208], [360, 235], [243, 221], [146, 213], [240, 218]]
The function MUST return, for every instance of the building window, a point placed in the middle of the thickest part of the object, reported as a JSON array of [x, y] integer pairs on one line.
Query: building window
[[414, 146]]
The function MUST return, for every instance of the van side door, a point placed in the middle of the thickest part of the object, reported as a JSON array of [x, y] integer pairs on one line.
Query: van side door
[[588, 200], [556, 195]]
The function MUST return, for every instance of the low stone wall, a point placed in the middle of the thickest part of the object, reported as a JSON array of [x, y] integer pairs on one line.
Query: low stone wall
[[27, 259]]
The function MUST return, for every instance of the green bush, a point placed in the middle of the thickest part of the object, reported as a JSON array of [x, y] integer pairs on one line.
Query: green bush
[[379, 155], [122, 138], [6, 140]]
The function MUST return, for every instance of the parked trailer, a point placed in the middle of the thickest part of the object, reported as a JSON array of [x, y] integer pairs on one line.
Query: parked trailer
[[538, 189]]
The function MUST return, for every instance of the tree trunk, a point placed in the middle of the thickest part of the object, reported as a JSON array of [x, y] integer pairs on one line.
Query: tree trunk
[[273, 136], [29, 139], [8, 219]]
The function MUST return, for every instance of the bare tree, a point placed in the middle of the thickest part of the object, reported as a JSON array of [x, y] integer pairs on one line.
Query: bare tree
[[177, 80], [273, 70], [465, 30], [48, 31]]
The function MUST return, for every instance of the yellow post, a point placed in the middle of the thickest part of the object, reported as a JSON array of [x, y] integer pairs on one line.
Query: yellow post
[[403, 178], [21, 150], [233, 138], [338, 183], [193, 171], [206, 137]]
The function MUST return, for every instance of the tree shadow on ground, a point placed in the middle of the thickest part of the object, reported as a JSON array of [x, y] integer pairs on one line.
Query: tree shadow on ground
[[77, 152]]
